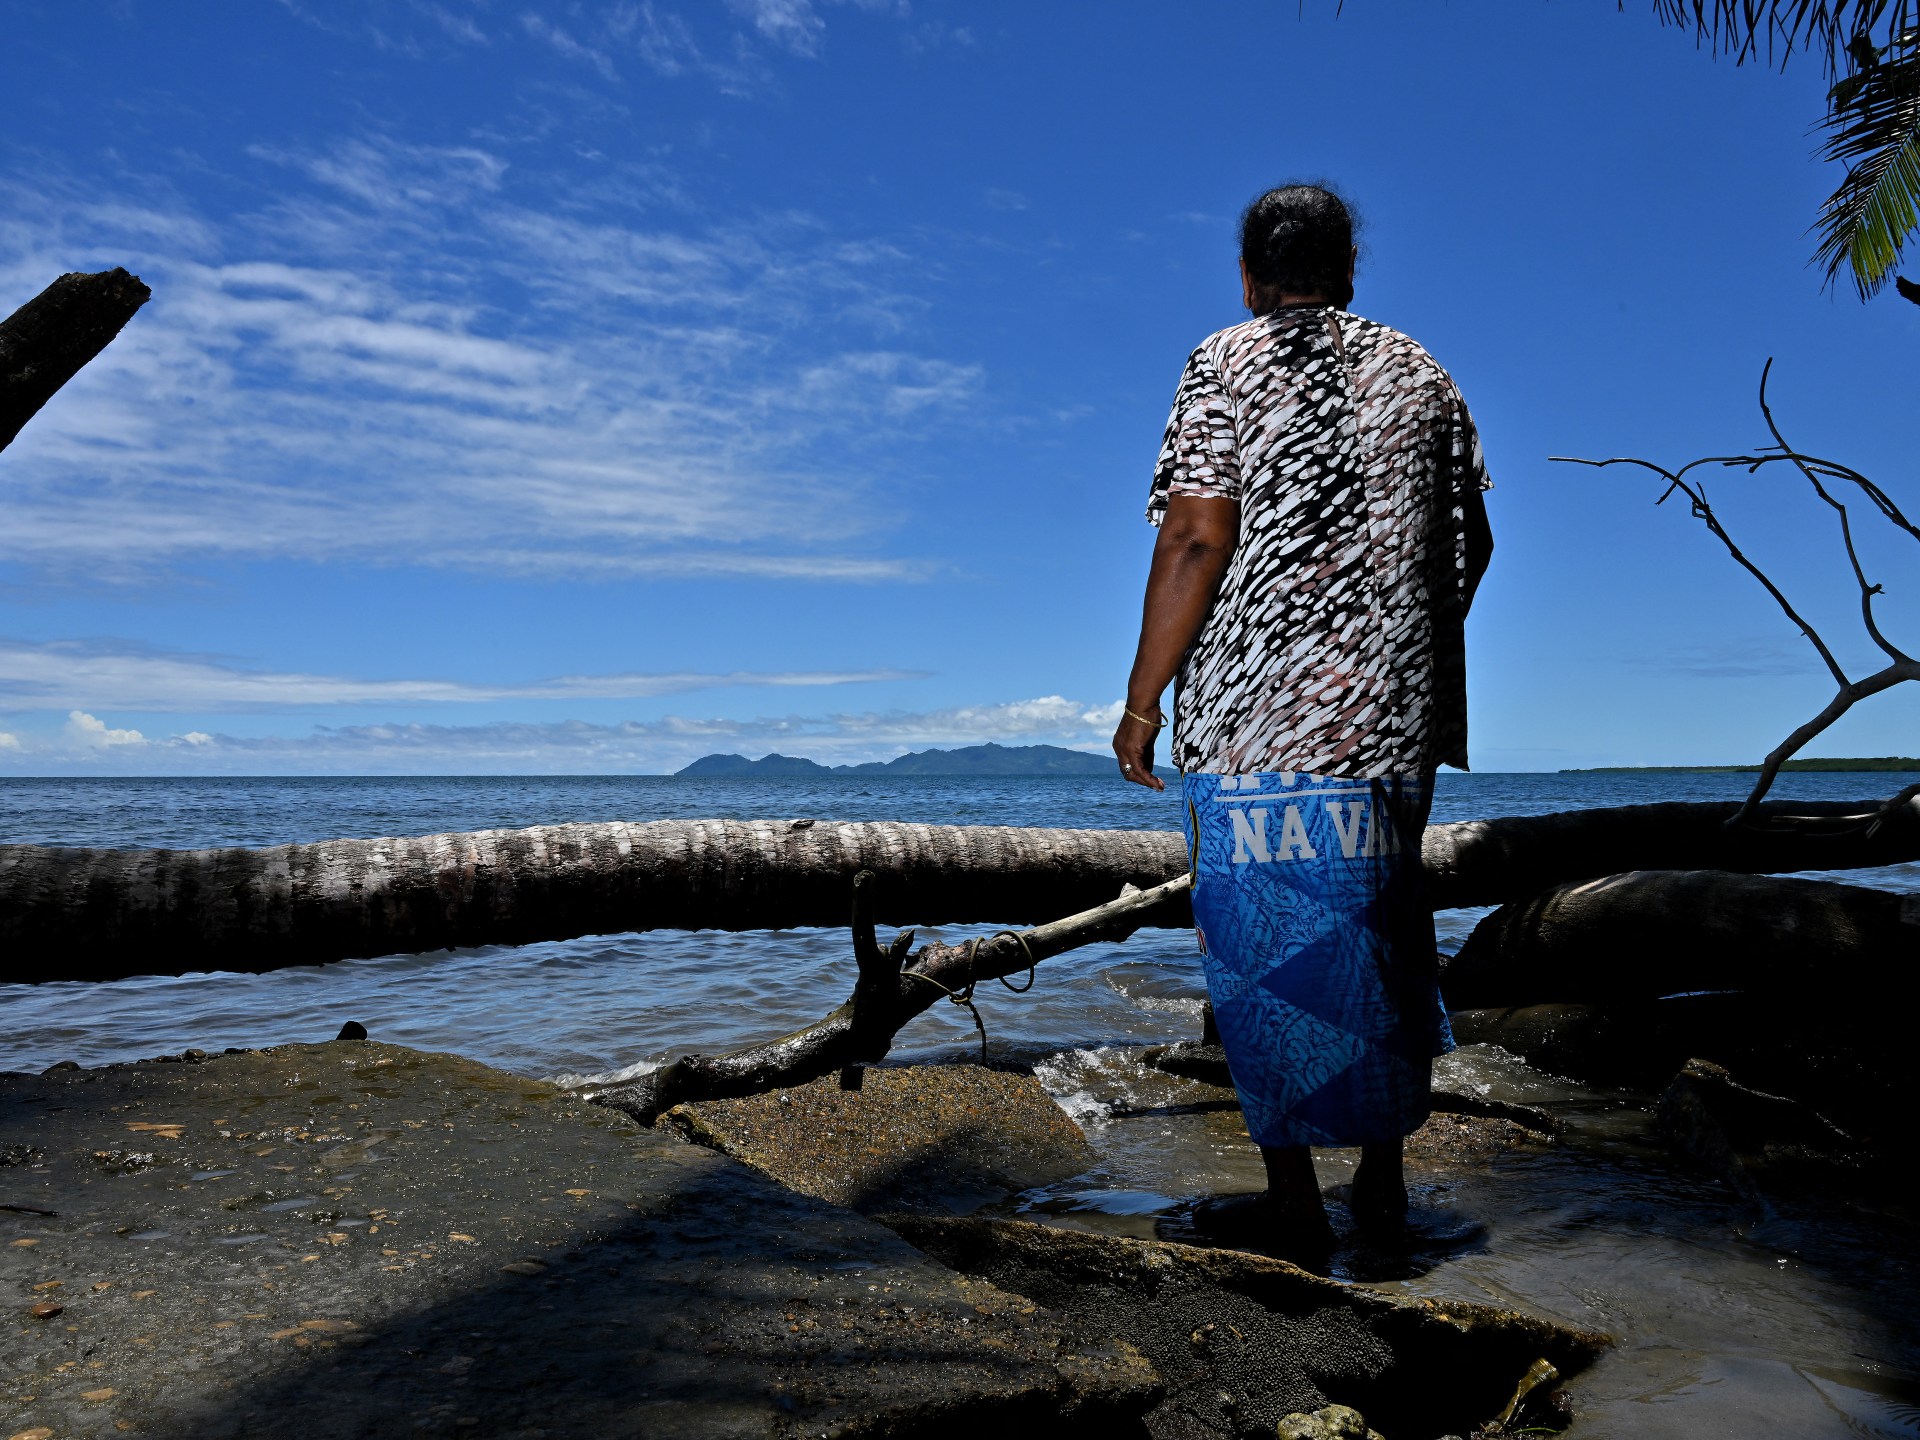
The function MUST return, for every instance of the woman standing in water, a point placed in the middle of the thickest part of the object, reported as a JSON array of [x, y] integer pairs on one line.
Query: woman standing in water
[[1322, 533]]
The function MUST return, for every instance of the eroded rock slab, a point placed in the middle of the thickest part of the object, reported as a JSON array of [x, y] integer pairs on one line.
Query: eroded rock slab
[[916, 1139], [1242, 1340], [357, 1239]]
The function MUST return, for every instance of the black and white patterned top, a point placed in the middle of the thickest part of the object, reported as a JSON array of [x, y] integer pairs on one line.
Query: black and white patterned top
[[1335, 645]]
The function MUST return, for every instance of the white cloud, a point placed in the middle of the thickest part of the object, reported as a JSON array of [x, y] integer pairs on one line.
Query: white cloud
[[572, 746], [91, 733], [330, 379], [791, 24], [9, 740], [62, 675]]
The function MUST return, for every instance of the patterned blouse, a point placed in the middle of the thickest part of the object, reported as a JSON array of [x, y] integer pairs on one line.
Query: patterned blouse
[[1335, 644]]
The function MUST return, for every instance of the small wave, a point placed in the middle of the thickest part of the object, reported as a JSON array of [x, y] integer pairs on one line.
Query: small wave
[[1068, 1076], [569, 1080]]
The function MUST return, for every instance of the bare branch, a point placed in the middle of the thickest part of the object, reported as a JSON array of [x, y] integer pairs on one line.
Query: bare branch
[[1816, 472], [1801, 463], [1844, 700], [1696, 496], [864, 1028]]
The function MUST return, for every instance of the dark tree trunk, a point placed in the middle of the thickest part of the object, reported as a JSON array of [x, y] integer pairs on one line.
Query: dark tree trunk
[[105, 914], [46, 341], [1640, 936], [1492, 862]]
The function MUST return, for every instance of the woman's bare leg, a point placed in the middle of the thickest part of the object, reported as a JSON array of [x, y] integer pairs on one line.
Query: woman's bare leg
[[1380, 1187], [1293, 1193]]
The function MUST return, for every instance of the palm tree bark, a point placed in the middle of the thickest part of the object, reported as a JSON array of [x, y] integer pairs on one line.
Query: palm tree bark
[[80, 914], [72, 914], [1492, 862], [46, 341]]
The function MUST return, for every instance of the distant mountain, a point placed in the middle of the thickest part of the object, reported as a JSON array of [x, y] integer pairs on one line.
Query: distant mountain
[[708, 766], [989, 759]]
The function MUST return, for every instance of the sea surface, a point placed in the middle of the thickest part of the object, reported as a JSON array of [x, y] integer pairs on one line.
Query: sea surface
[[1799, 1317], [612, 1002]]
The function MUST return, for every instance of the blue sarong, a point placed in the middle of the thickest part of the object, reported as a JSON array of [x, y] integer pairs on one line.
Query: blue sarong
[[1319, 951]]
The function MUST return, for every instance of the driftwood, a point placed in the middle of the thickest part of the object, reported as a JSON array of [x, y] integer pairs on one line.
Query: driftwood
[[1637, 937], [78, 914], [893, 987], [46, 341]]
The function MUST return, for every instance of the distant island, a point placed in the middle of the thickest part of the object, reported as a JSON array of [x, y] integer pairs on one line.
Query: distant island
[[1883, 762], [989, 759]]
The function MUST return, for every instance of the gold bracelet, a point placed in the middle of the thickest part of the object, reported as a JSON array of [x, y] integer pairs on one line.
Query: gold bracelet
[[1159, 724]]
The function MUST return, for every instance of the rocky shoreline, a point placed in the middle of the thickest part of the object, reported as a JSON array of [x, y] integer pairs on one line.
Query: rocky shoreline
[[355, 1238]]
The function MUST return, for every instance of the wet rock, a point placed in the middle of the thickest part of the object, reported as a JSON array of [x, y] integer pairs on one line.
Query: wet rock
[[1824, 1049], [1449, 1139], [352, 1030], [1242, 1340], [1334, 1422], [918, 1139], [379, 1241], [1527, 1117], [1195, 1059], [1743, 1135]]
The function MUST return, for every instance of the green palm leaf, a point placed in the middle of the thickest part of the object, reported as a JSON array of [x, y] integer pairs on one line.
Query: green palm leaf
[[1873, 128]]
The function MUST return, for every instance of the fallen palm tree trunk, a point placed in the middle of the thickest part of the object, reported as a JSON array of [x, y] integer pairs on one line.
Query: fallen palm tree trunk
[[1647, 934], [104, 914], [76, 914], [1493, 862], [892, 989]]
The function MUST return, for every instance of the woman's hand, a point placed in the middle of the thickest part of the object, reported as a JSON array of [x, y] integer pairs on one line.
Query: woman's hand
[[1133, 745]]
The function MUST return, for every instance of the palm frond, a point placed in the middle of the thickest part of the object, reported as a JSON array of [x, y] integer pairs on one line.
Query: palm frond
[[1873, 128], [1776, 29]]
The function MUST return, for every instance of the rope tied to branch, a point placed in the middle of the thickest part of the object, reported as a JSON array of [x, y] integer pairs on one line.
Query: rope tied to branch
[[963, 997]]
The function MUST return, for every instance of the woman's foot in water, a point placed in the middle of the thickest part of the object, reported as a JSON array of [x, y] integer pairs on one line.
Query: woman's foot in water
[[1260, 1223], [1287, 1220], [1378, 1196]]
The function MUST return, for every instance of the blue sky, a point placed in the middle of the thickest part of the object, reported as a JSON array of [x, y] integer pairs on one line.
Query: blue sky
[[588, 387]]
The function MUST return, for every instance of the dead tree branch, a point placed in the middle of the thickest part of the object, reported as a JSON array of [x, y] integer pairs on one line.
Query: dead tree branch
[[886, 996], [1817, 472], [46, 341]]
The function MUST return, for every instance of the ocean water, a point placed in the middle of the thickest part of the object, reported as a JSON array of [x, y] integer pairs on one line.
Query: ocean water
[[608, 1003]]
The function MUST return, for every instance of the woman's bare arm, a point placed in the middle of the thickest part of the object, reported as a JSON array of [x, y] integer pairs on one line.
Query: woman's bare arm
[[1190, 555]]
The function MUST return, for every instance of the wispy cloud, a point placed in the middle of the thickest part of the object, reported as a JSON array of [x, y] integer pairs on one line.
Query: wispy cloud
[[66, 675], [566, 747], [567, 46], [1732, 659], [791, 24], [729, 45], [553, 392]]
